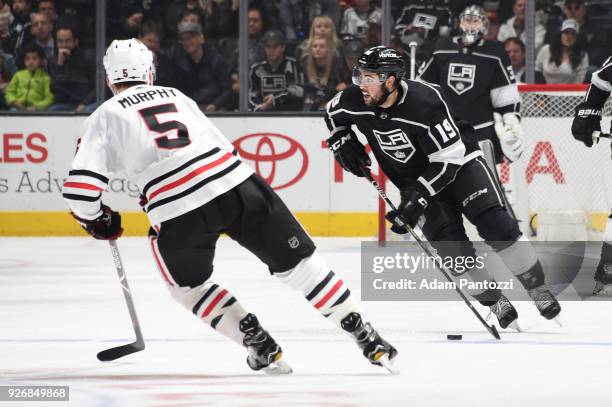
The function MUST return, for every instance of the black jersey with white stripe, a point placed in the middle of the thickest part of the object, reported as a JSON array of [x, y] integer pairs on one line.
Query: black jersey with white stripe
[[601, 85], [416, 141], [477, 80]]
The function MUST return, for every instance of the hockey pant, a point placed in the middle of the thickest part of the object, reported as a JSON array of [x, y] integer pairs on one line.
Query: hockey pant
[[253, 215], [475, 194]]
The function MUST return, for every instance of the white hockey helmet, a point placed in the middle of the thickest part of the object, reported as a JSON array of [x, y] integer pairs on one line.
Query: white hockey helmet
[[129, 61]]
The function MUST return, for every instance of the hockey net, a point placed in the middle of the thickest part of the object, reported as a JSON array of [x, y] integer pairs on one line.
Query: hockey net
[[559, 189]]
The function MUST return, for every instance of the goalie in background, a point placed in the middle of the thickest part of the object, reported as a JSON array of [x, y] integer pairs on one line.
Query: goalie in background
[[586, 128], [478, 82]]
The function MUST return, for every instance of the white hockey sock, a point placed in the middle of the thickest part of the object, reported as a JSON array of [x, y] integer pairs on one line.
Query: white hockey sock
[[325, 291], [215, 305], [522, 260]]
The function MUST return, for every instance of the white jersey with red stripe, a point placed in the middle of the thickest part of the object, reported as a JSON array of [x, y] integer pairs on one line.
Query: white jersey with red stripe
[[158, 138]]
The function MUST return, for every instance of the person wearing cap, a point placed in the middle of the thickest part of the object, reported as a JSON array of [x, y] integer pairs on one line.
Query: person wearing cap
[[563, 60], [199, 71], [276, 81]]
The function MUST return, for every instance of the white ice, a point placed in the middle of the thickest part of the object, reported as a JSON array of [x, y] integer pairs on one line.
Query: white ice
[[61, 303]]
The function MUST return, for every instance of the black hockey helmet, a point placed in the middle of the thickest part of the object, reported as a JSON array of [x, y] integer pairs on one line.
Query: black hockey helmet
[[382, 60], [471, 32]]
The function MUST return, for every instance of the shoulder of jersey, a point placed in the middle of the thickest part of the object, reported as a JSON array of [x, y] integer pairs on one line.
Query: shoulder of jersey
[[494, 48], [350, 98]]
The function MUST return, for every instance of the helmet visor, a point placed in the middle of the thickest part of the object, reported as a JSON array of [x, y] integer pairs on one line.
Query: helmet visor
[[361, 77]]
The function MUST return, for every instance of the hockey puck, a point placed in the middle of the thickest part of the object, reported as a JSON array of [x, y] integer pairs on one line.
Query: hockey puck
[[454, 337]]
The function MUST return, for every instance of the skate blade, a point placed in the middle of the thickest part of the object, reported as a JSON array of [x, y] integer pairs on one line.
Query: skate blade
[[278, 367], [388, 364], [514, 325]]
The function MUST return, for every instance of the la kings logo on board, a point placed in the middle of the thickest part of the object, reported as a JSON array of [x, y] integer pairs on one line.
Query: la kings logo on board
[[461, 77], [395, 144]]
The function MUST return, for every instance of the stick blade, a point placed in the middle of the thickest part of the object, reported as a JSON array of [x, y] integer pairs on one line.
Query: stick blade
[[120, 351], [494, 332]]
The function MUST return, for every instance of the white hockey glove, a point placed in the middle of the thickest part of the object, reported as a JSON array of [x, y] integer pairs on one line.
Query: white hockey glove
[[510, 133]]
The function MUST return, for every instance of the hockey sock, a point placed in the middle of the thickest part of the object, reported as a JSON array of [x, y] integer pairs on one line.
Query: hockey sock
[[215, 306], [486, 297], [521, 259], [325, 291]]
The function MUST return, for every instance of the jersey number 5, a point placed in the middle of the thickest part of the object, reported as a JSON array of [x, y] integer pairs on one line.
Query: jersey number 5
[[149, 115], [446, 130]]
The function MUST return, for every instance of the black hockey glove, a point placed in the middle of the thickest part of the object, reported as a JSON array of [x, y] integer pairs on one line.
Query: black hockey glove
[[411, 208], [349, 152], [586, 121], [105, 227]]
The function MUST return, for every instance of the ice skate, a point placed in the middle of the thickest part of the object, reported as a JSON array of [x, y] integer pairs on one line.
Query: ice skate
[[506, 313], [545, 302], [602, 289], [264, 352], [375, 348]]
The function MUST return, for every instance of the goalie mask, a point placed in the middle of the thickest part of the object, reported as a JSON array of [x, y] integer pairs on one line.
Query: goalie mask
[[473, 23], [128, 61]]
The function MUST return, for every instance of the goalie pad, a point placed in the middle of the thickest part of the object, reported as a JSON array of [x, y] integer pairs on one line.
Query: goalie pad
[[510, 134]]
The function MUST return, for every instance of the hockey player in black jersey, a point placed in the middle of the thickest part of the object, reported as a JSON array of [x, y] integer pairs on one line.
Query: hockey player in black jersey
[[436, 164], [586, 127], [478, 82], [276, 83]]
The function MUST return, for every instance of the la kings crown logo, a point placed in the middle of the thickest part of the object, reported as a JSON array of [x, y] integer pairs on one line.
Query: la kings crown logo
[[461, 77], [395, 144]]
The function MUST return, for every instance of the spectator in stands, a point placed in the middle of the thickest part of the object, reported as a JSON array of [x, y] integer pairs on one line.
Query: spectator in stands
[[563, 60], [199, 71], [276, 82], [515, 26], [594, 35], [48, 7], [6, 19], [516, 52], [322, 26], [7, 70], [424, 23], [72, 75], [151, 37], [324, 75], [297, 16], [208, 10], [19, 30], [373, 35], [42, 34], [30, 88], [255, 29], [356, 19]]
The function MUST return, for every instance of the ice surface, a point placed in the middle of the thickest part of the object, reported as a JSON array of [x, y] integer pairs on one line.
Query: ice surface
[[60, 303]]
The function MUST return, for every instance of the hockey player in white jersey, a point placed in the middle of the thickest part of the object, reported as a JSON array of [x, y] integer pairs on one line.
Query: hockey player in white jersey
[[586, 127], [195, 187]]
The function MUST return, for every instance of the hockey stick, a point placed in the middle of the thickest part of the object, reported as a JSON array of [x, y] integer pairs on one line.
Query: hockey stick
[[605, 135], [491, 328], [123, 350]]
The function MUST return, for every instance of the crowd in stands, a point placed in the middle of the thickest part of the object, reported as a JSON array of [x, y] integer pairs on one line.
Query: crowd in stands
[[300, 52]]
